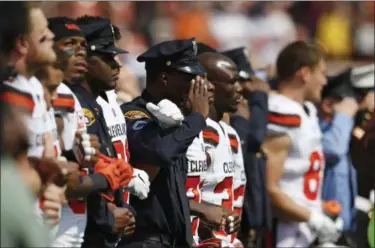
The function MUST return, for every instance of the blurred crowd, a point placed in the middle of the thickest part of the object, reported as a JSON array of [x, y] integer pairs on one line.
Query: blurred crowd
[[345, 29]]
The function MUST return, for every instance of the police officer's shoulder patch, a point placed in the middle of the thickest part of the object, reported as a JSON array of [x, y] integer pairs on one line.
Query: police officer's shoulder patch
[[89, 117], [136, 114]]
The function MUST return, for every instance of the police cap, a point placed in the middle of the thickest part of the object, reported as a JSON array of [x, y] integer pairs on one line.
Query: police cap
[[353, 82], [177, 55], [240, 57], [362, 78], [100, 37]]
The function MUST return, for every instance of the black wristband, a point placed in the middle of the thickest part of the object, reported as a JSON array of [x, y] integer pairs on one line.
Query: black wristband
[[99, 182]]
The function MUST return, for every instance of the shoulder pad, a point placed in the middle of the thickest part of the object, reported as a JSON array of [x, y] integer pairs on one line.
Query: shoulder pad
[[211, 136], [65, 100], [17, 97], [210, 133], [283, 111]]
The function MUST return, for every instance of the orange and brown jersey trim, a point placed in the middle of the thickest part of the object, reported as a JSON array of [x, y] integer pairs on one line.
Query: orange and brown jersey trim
[[64, 102], [17, 98], [233, 143], [287, 120], [211, 136]]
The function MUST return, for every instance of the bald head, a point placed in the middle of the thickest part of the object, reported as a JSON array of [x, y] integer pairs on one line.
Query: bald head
[[218, 67]]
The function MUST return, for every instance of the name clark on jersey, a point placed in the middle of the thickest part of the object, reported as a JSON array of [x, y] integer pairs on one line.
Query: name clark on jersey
[[197, 165], [117, 130]]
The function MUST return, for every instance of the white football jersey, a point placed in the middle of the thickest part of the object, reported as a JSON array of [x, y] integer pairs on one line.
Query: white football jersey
[[304, 166], [239, 182], [70, 109], [116, 126], [29, 95], [74, 216], [218, 180], [197, 166]]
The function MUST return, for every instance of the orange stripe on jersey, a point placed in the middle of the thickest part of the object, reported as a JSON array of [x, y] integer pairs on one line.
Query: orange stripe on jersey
[[287, 120], [18, 99], [210, 137], [233, 143], [64, 102]]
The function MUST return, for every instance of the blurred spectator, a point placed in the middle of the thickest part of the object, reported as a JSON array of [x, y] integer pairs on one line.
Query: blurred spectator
[[270, 32], [364, 31], [193, 21], [160, 27], [230, 26], [334, 30], [128, 87]]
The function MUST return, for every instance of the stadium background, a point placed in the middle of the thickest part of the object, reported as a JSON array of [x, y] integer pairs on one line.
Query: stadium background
[[345, 29]]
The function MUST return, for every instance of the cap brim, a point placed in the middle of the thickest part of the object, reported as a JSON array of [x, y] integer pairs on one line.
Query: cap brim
[[112, 50], [196, 69]]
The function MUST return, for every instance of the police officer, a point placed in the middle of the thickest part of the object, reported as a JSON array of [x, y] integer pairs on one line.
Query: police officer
[[105, 225], [250, 122], [173, 71]]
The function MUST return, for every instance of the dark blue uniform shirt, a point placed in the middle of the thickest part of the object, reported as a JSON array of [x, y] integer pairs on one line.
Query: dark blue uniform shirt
[[166, 210], [256, 208]]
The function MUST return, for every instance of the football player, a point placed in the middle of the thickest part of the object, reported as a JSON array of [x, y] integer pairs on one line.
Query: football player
[[30, 53], [70, 45], [294, 149], [219, 180]]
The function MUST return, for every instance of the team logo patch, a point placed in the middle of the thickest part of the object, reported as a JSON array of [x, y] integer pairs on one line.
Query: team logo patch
[[89, 117], [136, 114]]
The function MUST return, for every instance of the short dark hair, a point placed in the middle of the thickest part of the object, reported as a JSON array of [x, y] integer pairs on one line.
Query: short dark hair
[[297, 55], [13, 23]]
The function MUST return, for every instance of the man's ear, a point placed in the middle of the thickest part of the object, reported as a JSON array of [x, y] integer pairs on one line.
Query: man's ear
[[22, 45], [304, 74]]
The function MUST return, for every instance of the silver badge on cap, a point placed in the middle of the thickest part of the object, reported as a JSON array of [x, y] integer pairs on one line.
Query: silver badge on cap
[[246, 52], [195, 48], [113, 31]]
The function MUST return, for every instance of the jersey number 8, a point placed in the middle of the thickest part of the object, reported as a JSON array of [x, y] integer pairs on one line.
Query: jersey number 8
[[311, 180]]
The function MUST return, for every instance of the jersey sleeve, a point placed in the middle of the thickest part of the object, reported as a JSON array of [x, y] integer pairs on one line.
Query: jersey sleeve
[[283, 117], [17, 98]]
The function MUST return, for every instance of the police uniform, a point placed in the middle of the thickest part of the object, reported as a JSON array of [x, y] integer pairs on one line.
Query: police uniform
[[163, 219], [100, 220]]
